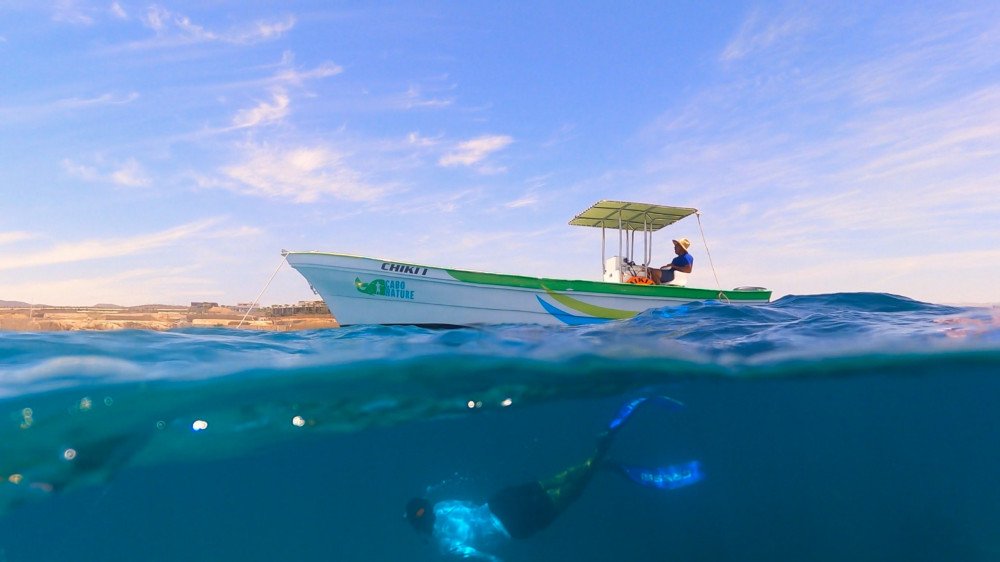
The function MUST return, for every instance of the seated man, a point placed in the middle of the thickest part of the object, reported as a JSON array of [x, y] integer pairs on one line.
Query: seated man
[[684, 262]]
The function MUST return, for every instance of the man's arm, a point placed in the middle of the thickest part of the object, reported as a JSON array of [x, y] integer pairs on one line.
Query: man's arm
[[685, 269]]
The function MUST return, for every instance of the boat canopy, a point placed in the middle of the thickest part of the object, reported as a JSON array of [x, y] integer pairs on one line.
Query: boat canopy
[[630, 216], [628, 219]]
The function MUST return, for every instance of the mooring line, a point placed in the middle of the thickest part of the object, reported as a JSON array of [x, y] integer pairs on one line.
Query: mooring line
[[266, 285]]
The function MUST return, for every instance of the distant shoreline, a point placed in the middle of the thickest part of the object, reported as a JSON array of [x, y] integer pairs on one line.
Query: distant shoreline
[[279, 318]]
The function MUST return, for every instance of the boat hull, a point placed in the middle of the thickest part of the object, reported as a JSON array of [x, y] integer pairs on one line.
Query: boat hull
[[362, 290]]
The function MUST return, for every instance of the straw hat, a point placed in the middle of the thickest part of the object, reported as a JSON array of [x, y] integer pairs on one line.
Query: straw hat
[[683, 243]]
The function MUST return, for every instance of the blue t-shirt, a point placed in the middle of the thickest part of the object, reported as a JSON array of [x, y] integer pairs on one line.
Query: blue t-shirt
[[683, 261]]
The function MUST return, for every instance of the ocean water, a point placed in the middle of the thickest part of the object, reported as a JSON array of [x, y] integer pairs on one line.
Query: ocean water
[[828, 427]]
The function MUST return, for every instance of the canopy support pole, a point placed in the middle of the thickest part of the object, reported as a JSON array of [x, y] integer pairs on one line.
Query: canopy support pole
[[620, 272], [604, 269], [645, 240]]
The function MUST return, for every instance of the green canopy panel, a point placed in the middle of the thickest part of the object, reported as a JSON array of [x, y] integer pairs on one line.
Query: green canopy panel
[[630, 216]]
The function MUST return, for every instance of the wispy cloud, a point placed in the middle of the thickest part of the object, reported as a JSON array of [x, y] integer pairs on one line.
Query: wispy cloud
[[77, 12], [265, 31], [921, 56], [289, 75], [286, 75], [129, 288], [434, 204], [948, 135], [300, 175], [93, 249], [173, 29], [414, 98], [61, 106], [529, 200], [418, 140], [758, 33], [80, 171], [103, 99], [117, 11], [12, 237], [264, 113], [127, 174], [130, 174], [473, 152], [70, 11]]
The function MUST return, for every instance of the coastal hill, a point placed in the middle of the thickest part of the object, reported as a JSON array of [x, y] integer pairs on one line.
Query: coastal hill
[[306, 315]]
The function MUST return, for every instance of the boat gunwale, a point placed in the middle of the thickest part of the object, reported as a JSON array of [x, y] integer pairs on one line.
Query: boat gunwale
[[507, 280]]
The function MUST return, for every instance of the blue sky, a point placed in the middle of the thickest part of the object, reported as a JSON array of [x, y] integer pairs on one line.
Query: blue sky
[[166, 152]]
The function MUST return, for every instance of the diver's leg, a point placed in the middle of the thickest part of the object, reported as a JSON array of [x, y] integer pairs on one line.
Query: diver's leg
[[526, 509], [566, 487], [523, 510]]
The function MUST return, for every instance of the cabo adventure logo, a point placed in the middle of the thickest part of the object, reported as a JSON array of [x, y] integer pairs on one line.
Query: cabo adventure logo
[[383, 288]]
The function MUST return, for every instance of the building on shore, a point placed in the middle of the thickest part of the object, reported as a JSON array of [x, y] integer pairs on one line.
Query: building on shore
[[303, 308], [244, 307]]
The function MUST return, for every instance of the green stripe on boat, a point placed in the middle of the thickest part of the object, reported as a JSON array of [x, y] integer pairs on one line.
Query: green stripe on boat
[[561, 285], [592, 310]]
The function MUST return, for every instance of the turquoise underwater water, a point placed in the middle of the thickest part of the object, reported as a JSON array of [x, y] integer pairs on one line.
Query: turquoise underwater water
[[828, 427]]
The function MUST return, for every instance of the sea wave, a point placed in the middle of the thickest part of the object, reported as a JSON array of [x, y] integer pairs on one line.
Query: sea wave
[[698, 338]]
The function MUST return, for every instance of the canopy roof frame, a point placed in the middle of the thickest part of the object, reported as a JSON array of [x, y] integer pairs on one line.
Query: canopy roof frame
[[626, 215]]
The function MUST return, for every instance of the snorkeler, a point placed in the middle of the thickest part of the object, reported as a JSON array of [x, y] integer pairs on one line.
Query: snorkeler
[[467, 530]]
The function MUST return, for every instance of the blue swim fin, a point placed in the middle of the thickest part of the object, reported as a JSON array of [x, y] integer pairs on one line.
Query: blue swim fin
[[627, 408], [665, 478]]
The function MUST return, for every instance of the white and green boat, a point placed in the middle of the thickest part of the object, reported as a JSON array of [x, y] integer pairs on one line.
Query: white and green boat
[[364, 290]]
